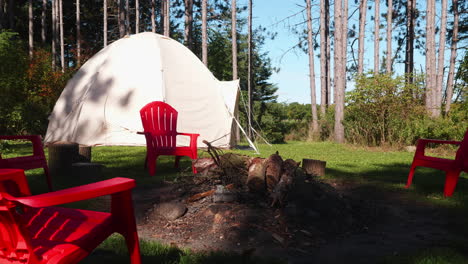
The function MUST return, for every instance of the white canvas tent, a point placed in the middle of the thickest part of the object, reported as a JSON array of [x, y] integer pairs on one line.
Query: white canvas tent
[[100, 104]]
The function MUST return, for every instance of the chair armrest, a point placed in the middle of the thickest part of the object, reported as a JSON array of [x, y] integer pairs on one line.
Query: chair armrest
[[75, 194], [36, 141], [421, 144], [18, 177], [193, 137]]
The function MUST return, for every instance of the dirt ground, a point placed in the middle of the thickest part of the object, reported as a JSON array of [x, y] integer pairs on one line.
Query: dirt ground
[[333, 222]]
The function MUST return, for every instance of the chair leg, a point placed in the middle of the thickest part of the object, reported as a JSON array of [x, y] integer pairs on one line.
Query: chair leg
[[177, 159], [151, 163], [451, 179], [410, 176]]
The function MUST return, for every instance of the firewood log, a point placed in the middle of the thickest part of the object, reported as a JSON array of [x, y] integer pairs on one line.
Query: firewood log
[[281, 189], [256, 175], [273, 171], [314, 167]]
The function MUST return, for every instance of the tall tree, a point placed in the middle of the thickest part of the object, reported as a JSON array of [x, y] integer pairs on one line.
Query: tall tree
[[430, 59], [249, 72], [153, 19], [127, 17], [453, 55], [204, 33], [167, 14], [31, 28], [388, 61], [11, 13], [105, 22], [2, 14], [328, 60], [338, 72], [410, 28], [62, 46], [440, 62], [234, 38], [310, 43], [362, 30], [324, 56], [43, 20], [54, 32], [137, 17], [377, 36], [121, 18], [78, 33], [188, 32]]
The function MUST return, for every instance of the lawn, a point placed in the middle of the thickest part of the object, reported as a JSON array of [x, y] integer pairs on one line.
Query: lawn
[[379, 170]]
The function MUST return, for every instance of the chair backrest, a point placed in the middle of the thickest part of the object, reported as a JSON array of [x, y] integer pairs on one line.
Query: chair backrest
[[160, 119], [15, 245], [462, 153]]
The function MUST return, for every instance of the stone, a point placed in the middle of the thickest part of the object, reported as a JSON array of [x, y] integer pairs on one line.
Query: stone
[[170, 210]]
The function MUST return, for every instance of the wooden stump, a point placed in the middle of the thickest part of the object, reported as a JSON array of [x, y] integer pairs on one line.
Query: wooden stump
[[87, 171], [61, 156], [84, 154], [314, 167], [273, 171]]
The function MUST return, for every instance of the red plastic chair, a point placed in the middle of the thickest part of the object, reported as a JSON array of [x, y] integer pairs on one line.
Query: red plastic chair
[[160, 129], [37, 160], [33, 232], [452, 168]]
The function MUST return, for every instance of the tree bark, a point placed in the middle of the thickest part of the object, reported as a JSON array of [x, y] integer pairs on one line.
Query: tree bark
[[430, 59], [362, 30], [313, 101], [204, 34], [121, 10], [137, 17], [153, 19], [338, 72], [344, 57], [78, 34], [440, 63], [377, 37], [328, 59], [249, 72], [43, 20], [105, 22], [453, 55], [62, 46], [188, 33], [388, 61], [273, 167], [323, 58], [31, 28], [409, 56], [127, 17], [256, 176], [285, 183], [2, 14]]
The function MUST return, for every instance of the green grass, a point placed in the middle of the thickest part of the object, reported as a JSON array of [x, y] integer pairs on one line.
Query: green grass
[[376, 170]]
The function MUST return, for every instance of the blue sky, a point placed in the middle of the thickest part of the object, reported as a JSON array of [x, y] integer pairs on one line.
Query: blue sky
[[293, 78]]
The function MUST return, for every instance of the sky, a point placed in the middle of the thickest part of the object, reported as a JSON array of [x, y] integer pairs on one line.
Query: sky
[[293, 78]]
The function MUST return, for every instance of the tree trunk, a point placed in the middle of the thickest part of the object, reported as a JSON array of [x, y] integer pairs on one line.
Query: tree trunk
[[167, 14], [362, 30], [204, 34], [121, 10], [54, 32], [314, 128], [377, 37], [127, 17], [338, 71], [430, 59], [62, 46], [453, 55], [344, 55], [162, 15], [153, 19], [440, 63], [249, 72], [328, 58], [43, 20], [323, 58], [11, 14], [137, 17], [409, 56], [78, 34], [105, 22], [31, 28], [234, 61], [2, 14], [389, 38], [188, 24]]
